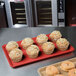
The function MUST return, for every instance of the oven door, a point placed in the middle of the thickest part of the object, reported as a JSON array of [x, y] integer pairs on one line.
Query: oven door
[[46, 12], [16, 14]]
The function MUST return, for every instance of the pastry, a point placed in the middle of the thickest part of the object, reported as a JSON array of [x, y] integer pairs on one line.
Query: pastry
[[67, 65], [51, 71], [16, 55], [32, 51], [27, 42], [48, 47], [62, 44], [11, 45], [72, 72], [55, 35], [42, 38]]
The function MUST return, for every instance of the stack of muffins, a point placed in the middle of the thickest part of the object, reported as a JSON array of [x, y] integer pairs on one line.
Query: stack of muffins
[[14, 52], [32, 50]]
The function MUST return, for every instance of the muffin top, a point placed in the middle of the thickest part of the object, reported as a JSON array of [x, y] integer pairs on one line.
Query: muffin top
[[51, 70], [11, 45], [41, 38], [33, 49], [55, 35], [15, 53], [62, 42], [27, 42], [72, 72], [48, 46]]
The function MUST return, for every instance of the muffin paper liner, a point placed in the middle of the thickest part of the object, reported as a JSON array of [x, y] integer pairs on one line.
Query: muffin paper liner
[[42, 55], [42, 70]]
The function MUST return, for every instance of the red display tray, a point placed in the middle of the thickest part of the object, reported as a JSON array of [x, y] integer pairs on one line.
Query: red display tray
[[27, 60]]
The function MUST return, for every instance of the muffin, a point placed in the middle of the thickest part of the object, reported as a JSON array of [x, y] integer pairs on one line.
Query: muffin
[[48, 47], [16, 55], [62, 44], [72, 72], [32, 51], [55, 35], [67, 65], [42, 38], [59, 75], [27, 42], [11, 45], [51, 71]]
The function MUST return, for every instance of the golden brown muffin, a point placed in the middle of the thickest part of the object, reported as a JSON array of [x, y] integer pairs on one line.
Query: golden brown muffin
[[67, 65], [48, 47], [32, 51], [51, 71], [42, 38], [27, 42], [72, 72], [11, 45], [55, 35], [62, 44], [16, 55], [59, 75]]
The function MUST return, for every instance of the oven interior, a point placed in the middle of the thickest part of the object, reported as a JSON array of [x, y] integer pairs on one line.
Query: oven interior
[[44, 12], [18, 12]]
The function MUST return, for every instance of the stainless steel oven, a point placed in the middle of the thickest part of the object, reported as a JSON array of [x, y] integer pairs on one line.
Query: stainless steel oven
[[16, 14], [46, 12], [61, 13], [66, 12], [31, 13]]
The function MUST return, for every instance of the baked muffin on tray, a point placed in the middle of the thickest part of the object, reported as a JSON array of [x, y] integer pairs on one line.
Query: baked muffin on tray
[[62, 44], [59, 75], [48, 47], [72, 72], [67, 65], [11, 45], [55, 35], [27, 42], [16, 55], [51, 70], [32, 51], [42, 38]]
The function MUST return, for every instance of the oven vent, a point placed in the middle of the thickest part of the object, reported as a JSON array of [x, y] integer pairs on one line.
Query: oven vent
[[18, 12], [44, 12]]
